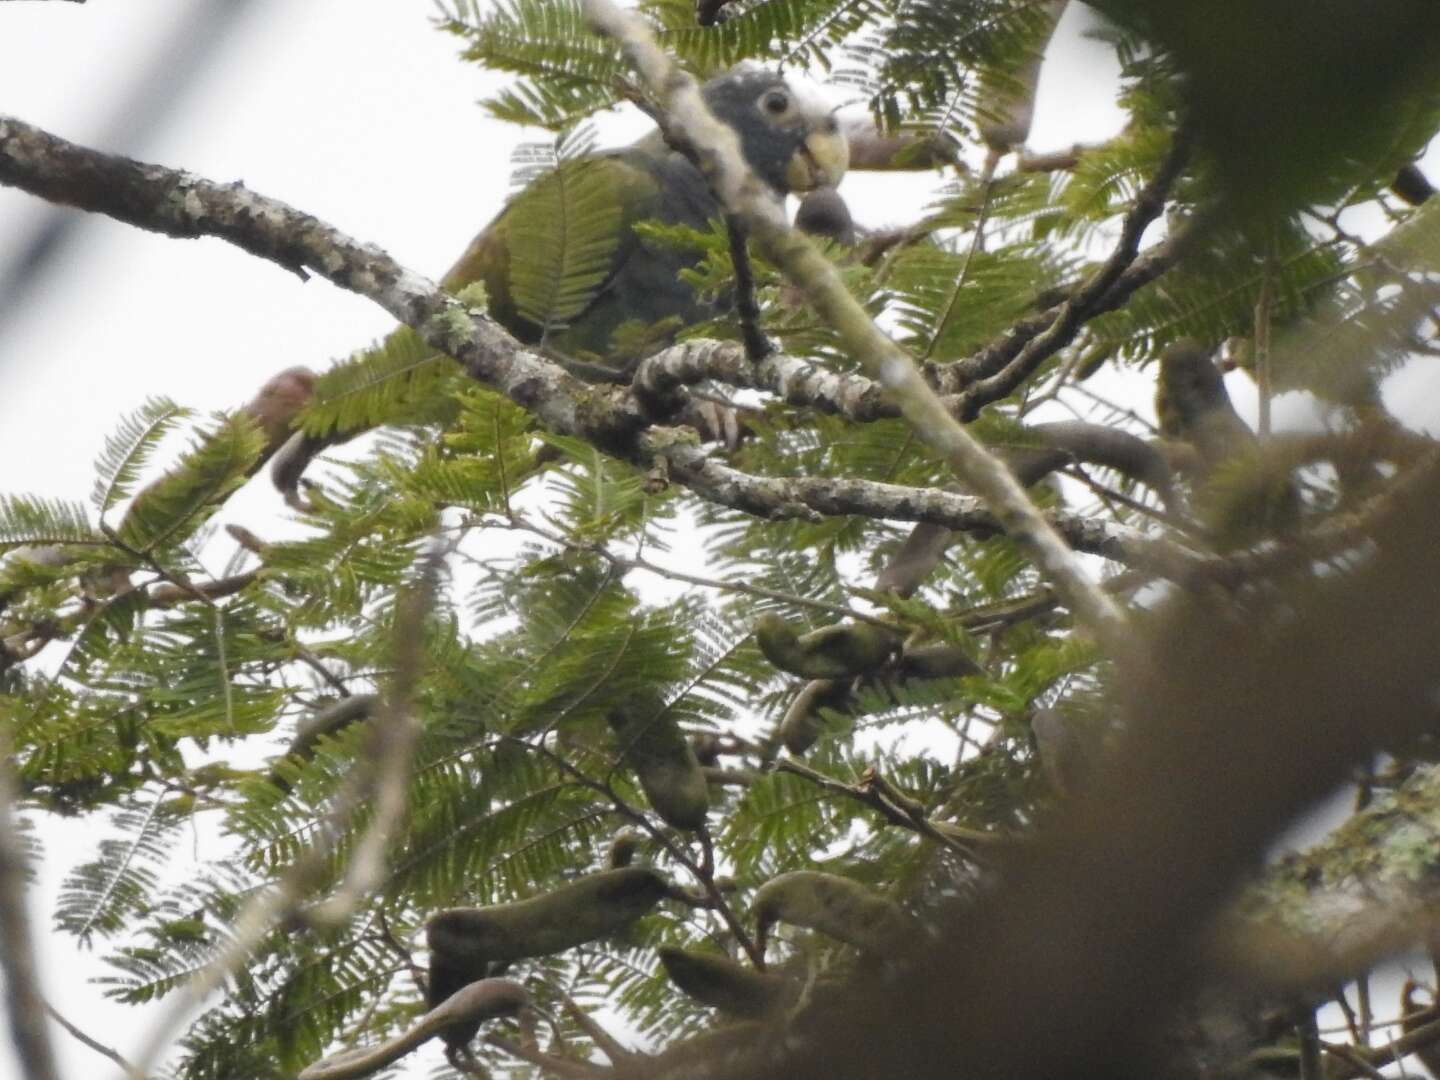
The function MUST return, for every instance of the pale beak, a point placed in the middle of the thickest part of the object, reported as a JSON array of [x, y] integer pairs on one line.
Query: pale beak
[[821, 160]]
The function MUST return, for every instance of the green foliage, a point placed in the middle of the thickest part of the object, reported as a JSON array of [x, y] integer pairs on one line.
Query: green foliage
[[566, 230], [575, 581], [173, 507], [25, 519], [397, 380], [130, 448]]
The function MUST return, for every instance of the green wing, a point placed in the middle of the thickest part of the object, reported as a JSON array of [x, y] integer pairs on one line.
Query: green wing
[[562, 264]]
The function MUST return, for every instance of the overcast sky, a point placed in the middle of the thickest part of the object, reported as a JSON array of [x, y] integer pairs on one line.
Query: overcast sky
[[357, 112]]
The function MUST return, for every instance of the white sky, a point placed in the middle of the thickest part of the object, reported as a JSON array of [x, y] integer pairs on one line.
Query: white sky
[[357, 111]]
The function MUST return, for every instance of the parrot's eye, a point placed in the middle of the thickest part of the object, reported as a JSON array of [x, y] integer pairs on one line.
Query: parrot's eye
[[775, 102]]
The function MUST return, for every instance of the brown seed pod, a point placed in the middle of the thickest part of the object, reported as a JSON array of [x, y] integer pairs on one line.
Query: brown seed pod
[[1008, 109], [831, 905], [937, 660], [664, 761], [469, 1006], [464, 942], [840, 651], [720, 982], [621, 851], [803, 724], [333, 718]]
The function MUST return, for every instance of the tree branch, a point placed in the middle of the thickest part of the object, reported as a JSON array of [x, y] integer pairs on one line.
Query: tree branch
[[180, 204], [743, 195]]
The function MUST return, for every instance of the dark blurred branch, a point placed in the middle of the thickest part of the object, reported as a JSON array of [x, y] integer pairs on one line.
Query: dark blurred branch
[[23, 1000], [194, 40], [1101, 293]]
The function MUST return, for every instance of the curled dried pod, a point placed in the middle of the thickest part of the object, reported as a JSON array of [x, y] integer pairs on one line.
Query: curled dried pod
[[831, 905], [803, 724], [664, 762], [464, 942], [467, 1008], [840, 651], [720, 982], [1008, 105], [937, 660], [331, 719], [276, 405], [621, 851]]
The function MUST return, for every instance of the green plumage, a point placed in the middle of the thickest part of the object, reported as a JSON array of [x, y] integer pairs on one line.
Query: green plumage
[[563, 264]]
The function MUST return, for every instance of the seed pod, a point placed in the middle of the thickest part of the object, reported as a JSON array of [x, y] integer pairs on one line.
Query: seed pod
[[841, 651], [720, 982], [333, 718], [468, 1007], [937, 660], [832, 905], [803, 724], [621, 851], [664, 762], [464, 942]]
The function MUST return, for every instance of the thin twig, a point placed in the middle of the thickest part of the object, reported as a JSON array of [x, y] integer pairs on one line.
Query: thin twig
[[747, 309], [899, 812], [98, 1047], [697, 870], [626, 563]]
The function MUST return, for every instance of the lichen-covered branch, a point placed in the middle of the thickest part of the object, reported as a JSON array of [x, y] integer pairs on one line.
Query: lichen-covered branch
[[1369, 889], [180, 204], [811, 498]]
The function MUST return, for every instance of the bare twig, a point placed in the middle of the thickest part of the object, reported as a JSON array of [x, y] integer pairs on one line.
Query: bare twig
[[625, 563], [715, 899], [79, 1035], [894, 807]]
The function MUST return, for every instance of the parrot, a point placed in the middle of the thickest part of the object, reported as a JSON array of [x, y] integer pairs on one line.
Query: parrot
[[788, 135], [1193, 406], [1243, 492]]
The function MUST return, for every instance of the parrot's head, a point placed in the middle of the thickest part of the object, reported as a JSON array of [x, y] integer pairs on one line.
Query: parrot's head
[[1190, 385], [788, 133]]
